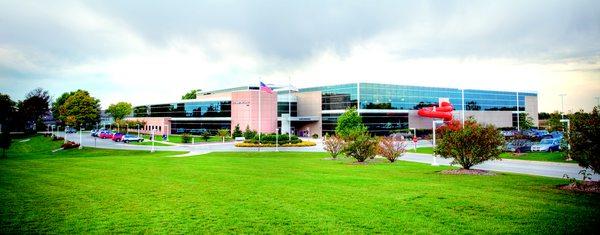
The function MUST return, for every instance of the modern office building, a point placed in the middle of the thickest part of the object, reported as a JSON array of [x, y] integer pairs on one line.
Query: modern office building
[[385, 108]]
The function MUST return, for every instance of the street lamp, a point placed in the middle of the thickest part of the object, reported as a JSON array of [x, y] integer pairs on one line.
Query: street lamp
[[434, 124], [138, 130], [568, 134], [277, 140], [414, 138], [562, 104], [80, 143]]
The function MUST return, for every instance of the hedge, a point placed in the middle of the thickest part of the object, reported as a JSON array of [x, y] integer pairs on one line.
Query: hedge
[[301, 144]]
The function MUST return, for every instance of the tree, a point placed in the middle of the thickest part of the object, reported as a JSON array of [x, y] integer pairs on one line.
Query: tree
[[249, 134], [525, 122], [554, 123], [58, 103], [7, 108], [471, 145], [584, 139], [237, 132], [5, 142], [349, 122], [189, 96], [543, 116], [391, 148], [206, 136], [35, 105], [119, 110], [334, 145], [80, 109], [362, 146], [223, 133]]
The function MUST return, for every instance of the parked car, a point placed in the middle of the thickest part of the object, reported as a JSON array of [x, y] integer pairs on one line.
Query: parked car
[[117, 136], [546, 145], [70, 130], [131, 138], [519, 146], [106, 135]]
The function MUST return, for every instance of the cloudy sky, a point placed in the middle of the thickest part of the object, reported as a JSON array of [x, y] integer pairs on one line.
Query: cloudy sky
[[154, 51]]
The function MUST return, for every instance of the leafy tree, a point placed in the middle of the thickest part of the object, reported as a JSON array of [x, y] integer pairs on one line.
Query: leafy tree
[[206, 136], [7, 108], [543, 116], [80, 109], [584, 139], [35, 105], [223, 133], [59, 102], [554, 123], [525, 122], [119, 110], [362, 146], [237, 132], [186, 138], [189, 96], [5, 142], [471, 145], [472, 105], [349, 122], [391, 148], [249, 134], [334, 145]]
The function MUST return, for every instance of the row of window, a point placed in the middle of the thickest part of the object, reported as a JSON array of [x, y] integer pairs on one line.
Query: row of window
[[377, 123]]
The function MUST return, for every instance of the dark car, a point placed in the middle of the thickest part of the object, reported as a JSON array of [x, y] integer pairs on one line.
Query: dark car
[[117, 137], [519, 146], [70, 130]]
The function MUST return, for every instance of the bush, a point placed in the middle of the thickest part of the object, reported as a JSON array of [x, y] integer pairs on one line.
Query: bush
[[334, 145], [272, 138], [471, 145], [584, 138], [348, 123], [57, 138], [362, 146], [315, 136], [301, 144], [206, 136], [69, 145], [249, 134], [186, 138], [237, 132], [391, 148], [5, 141]]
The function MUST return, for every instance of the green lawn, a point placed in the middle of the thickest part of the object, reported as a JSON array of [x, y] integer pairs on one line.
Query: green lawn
[[104, 191], [531, 156], [149, 143]]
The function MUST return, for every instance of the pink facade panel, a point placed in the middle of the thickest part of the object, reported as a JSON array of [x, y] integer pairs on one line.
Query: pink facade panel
[[161, 125], [245, 109]]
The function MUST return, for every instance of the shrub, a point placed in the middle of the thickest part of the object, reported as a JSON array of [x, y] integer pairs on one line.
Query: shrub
[[471, 145], [584, 138], [348, 123], [237, 132], [272, 138], [249, 134], [69, 145], [315, 136], [223, 133], [301, 144], [391, 148], [334, 145], [206, 136], [186, 138], [362, 146], [5, 142], [57, 138]]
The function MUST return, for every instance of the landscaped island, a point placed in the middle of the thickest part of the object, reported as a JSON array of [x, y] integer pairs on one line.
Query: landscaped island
[[107, 191]]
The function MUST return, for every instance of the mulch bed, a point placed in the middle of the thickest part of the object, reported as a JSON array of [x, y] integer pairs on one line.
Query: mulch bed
[[467, 172], [585, 187]]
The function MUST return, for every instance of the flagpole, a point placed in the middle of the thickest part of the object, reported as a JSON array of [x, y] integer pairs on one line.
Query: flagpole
[[289, 109], [259, 115]]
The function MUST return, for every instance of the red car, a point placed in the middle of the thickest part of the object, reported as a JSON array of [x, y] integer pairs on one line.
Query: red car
[[106, 135], [117, 137]]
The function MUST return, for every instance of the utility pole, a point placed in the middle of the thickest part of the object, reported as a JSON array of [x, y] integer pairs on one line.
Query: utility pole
[[562, 104]]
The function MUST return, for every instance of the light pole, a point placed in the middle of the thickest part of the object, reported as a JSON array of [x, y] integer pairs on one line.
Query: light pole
[[152, 137], [138, 130], [568, 134], [463, 107], [562, 104], [80, 143], [67, 127], [434, 124], [127, 126], [277, 140], [414, 138], [518, 114]]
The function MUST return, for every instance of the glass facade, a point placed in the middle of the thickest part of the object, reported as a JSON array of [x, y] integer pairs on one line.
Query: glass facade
[[338, 97], [188, 109], [283, 108], [380, 123], [199, 127]]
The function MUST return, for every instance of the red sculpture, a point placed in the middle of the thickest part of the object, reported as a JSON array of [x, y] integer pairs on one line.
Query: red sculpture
[[443, 112]]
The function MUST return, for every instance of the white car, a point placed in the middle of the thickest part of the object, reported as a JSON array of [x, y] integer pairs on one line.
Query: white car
[[546, 145], [131, 138]]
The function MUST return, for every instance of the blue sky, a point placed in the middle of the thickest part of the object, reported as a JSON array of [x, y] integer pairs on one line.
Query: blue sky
[[151, 51]]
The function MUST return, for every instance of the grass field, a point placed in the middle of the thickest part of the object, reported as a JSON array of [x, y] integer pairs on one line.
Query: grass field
[[149, 143], [530, 156], [106, 191]]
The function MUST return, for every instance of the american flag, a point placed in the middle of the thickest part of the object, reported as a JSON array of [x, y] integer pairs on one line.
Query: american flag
[[265, 88]]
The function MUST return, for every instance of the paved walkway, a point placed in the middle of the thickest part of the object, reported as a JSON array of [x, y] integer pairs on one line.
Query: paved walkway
[[550, 169]]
